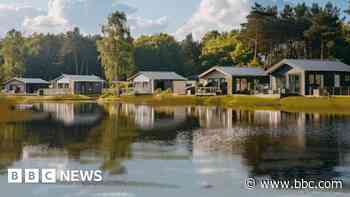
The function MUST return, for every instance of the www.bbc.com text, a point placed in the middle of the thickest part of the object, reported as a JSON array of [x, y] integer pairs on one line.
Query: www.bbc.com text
[[252, 184]]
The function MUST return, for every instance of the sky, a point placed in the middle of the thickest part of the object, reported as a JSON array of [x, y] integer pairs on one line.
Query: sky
[[176, 17]]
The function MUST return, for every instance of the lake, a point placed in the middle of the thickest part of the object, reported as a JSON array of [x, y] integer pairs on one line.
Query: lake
[[173, 151]]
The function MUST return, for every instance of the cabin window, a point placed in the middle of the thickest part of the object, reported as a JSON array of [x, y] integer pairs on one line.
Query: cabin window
[[316, 79], [312, 79], [66, 85], [347, 78], [144, 84]]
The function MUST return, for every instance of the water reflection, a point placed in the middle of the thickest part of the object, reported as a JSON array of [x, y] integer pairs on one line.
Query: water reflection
[[178, 147], [71, 113]]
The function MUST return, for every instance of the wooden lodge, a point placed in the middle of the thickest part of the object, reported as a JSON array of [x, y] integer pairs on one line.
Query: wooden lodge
[[310, 77], [25, 86], [232, 80], [76, 85], [149, 82]]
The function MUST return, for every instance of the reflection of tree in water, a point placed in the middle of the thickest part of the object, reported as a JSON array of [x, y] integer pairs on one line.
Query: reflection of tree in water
[[10, 137], [290, 156], [113, 138], [282, 146], [10, 145], [109, 138]]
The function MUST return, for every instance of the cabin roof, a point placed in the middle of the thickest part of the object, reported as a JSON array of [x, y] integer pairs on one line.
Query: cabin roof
[[237, 71], [88, 78], [159, 75], [313, 65], [29, 80]]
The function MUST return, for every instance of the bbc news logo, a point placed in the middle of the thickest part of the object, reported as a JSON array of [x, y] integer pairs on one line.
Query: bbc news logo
[[50, 176]]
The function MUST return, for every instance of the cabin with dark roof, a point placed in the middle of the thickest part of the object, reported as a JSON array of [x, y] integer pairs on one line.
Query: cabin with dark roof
[[25, 86], [78, 84], [310, 77], [233, 80], [149, 82]]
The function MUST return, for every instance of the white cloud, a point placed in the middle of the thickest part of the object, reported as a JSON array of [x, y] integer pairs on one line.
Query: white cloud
[[12, 16], [88, 15], [220, 15], [53, 22], [140, 25], [63, 15]]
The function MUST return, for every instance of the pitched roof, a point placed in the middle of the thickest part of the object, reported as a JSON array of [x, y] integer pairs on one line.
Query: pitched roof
[[313, 65], [159, 75], [237, 71], [29, 80], [91, 78]]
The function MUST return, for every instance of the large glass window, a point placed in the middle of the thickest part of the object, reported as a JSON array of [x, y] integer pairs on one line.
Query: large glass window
[[316, 79]]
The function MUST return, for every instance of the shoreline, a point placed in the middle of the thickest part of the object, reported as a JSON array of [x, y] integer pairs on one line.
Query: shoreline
[[339, 105]]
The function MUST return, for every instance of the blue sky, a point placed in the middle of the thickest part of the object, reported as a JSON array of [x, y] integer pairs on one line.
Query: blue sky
[[177, 17]]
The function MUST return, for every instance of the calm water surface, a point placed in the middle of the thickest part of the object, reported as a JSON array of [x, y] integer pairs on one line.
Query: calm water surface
[[174, 151]]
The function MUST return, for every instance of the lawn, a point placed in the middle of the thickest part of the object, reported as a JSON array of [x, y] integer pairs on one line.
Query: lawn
[[292, 104]]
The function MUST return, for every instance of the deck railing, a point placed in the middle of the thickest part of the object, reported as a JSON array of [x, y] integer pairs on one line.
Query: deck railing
[[54, 91], [207, 91], [119, 91], [329, 91]]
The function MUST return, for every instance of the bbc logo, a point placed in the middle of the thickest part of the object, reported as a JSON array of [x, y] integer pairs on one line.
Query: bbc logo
[[31, 176]]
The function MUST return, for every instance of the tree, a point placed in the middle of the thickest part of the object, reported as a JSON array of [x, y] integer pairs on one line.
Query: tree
[[13, 52], [159, 52], [224, 50], [261, 30], [115, 48], [243, 55], [191, 51], [72, 50], [325, 27]]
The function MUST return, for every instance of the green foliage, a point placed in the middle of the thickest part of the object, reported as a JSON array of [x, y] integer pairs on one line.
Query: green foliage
[[14, 52], [298, 31], [325, 27], [158, 53], [191, 50], [224, 50], [48, 56], [269, 35], [115, 48]]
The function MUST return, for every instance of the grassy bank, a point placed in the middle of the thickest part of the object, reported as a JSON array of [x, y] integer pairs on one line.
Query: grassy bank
[[30, 99], [292, 104]]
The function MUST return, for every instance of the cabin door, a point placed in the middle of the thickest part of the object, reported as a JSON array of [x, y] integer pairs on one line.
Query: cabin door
[[294, 84], [337, 81]]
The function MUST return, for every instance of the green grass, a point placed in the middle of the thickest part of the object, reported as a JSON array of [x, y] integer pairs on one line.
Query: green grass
[[323, 104], [291, 104], [29, 99]]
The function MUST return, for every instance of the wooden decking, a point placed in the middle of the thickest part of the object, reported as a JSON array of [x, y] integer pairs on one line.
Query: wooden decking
[[207, 91]]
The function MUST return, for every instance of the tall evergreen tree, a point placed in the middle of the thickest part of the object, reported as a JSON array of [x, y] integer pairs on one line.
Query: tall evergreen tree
[[325, 28], [191, 51]]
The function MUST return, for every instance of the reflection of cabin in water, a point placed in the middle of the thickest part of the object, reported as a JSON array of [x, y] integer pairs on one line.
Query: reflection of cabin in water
[[149, 117], [234, 80], [310, 77], [149, 82], [78, 84], [72, 114], [25, 85]]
